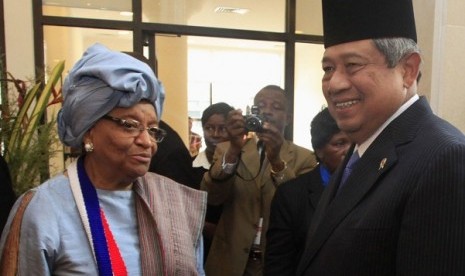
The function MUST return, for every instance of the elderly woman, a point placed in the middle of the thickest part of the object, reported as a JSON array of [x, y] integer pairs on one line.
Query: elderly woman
[[106, 215], [295, 201]]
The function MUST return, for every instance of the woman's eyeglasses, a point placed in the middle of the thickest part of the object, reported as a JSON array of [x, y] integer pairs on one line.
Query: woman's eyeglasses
[[134, 128]]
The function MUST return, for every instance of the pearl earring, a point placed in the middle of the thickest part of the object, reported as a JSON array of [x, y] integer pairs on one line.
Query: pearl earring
[[89, 147]]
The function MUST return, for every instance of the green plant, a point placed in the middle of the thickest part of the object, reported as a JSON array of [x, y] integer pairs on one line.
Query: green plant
[[27, 136]]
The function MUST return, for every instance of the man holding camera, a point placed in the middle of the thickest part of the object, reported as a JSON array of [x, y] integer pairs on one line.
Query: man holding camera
[[245, 173]]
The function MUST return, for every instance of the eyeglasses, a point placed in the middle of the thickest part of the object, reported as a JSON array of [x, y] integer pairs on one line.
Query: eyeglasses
[[134, 128]]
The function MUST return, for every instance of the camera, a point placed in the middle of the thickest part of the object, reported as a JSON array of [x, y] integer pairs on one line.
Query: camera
[[254, 121]]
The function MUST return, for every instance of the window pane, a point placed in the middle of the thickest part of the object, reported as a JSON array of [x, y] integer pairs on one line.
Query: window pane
[[227, 70], [95, 9], [231, 71], [308, 98], [309, 17], [262, 15]]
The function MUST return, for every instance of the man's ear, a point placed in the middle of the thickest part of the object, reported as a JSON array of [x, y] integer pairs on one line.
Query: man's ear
[[411, 66]]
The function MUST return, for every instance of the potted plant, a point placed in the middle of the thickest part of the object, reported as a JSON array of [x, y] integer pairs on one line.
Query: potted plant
[[27, 136]]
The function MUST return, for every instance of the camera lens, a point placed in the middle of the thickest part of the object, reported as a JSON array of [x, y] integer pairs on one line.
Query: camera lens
[[254, 123]]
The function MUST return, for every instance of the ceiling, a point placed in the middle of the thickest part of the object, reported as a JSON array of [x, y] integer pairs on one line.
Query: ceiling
[[114, 5], [266, 15]]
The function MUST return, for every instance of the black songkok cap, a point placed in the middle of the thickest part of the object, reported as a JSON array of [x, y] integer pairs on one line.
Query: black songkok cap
[[352, 20]]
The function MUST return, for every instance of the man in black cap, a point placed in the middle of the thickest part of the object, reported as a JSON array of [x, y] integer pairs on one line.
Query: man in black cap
[[401, 210]]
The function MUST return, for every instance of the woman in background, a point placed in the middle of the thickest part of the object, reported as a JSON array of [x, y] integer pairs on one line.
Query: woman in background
[[214, 132]]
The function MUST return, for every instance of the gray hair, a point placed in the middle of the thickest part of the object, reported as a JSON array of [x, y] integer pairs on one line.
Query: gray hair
[[396, 48]]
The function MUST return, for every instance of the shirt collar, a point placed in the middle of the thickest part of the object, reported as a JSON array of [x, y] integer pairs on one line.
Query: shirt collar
[[364, 146]]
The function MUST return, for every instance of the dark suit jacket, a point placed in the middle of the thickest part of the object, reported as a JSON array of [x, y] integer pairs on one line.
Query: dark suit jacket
[[292, 209], [401, 211], [174, 161], [7, 196]]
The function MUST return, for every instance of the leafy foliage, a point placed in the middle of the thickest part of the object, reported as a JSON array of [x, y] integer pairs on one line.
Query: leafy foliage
[[26, 137]]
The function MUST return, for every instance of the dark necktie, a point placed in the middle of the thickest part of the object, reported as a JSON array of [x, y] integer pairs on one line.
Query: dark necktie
[[348, 169]]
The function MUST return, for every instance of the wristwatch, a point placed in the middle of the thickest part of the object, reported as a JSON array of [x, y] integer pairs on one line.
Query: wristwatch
[[228, 167]]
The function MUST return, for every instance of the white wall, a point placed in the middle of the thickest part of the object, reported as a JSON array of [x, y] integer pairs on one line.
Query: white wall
[[19, 44], [448, 99]]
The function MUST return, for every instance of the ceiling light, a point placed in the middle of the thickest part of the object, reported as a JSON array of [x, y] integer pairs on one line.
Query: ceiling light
[[231, 10]]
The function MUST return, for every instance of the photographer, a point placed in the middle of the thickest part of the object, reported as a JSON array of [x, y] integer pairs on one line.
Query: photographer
[[244, 176]]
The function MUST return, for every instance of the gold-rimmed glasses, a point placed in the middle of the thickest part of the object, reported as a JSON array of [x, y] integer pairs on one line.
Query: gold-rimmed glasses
[[134, 128]]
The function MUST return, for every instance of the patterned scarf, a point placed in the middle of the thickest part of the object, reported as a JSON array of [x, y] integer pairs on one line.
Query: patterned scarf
[[170, 219]]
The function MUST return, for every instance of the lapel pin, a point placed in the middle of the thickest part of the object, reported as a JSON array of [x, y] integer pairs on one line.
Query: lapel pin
[[382, 163]]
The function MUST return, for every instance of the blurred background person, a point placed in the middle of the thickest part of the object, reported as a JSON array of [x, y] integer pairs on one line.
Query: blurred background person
[[243, 177], [106, 215], [214, 132], [195, 140], [174, 161], [7, 195], [295, 201]]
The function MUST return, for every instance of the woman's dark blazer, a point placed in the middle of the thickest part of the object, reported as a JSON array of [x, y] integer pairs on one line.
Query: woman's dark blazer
[[292, 209]]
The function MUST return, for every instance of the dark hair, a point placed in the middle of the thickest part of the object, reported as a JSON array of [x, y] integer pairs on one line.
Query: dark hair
[[322, 128], [216, 108], [275, 88]]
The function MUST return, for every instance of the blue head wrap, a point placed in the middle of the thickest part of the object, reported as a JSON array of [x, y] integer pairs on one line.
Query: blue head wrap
[[100, 81]]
